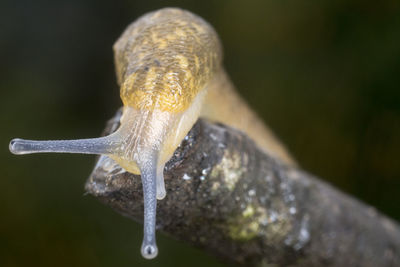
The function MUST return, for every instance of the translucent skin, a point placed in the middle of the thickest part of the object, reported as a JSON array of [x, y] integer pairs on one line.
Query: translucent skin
[[169, 68], [163, 61]]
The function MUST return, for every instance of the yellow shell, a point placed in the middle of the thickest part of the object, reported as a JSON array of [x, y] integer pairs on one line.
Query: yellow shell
[[164, 59]]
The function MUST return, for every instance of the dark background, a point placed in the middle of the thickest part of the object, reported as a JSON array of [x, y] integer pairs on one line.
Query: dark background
[[323, 74]]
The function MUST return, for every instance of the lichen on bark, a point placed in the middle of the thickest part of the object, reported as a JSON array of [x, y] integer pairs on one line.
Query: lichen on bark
[[231, 199]]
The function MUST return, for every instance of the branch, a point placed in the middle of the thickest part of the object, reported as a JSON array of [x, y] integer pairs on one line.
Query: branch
[[228, 197]]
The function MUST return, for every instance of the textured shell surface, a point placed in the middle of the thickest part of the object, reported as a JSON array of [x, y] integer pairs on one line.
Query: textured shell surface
[[164, 59]]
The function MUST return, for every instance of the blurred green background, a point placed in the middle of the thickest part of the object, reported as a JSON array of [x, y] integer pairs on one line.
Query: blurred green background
[[325, 75]]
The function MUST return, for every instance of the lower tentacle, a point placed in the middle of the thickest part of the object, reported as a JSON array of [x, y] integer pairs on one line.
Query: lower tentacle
[[161, 192]]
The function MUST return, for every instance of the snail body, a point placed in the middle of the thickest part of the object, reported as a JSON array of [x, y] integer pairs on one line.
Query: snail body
[[169, 69]]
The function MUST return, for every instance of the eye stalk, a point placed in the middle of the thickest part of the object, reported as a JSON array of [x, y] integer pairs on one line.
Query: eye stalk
[[100, 146], [148, 170], [137, 146], [180, 53], [152, 176]]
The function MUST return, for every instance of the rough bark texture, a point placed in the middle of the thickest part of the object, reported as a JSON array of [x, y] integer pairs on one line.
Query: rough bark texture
[[226, 196]]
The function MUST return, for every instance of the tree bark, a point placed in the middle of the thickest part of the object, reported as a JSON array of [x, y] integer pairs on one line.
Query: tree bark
[[228, 197]]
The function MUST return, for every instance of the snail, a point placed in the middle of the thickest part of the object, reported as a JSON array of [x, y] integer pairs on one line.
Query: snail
[[169, 69]]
